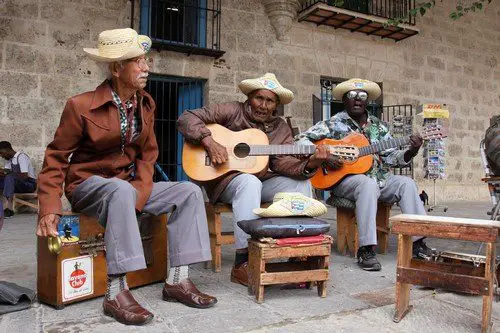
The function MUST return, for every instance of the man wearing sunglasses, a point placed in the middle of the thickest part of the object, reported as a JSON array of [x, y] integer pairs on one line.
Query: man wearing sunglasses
[[377, 184]]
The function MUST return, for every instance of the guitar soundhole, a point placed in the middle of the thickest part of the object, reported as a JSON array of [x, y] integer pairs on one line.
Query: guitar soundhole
[[241, 150]]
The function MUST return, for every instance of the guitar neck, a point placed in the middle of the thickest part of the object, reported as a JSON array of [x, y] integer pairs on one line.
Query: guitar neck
[[383, 145], [261, 150]]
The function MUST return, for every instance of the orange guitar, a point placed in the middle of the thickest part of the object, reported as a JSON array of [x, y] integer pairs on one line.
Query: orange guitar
[[360, 159]]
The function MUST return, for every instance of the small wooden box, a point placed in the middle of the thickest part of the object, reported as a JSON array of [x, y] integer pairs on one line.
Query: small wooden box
[[313, 266], [78, 272]]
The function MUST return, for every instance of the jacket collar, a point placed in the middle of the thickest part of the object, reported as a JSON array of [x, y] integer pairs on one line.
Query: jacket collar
[[102, 96]]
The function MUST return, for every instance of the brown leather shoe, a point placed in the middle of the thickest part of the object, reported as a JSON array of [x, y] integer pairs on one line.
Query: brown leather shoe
[[125, 309], [239, 274], [186, 293]]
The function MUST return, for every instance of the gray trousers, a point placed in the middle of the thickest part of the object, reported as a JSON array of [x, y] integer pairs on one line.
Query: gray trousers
[[246, 192], [112, 202], [366, 192]]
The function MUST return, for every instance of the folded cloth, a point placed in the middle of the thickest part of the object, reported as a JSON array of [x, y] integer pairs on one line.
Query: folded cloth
[[292, 204], [14, 297], [279, 227]]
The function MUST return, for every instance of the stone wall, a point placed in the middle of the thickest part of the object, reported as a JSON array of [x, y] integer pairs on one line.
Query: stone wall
[[456, 63]]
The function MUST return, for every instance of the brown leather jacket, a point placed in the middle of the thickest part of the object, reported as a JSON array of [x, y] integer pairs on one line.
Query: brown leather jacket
[[89, 131], [236, 117]]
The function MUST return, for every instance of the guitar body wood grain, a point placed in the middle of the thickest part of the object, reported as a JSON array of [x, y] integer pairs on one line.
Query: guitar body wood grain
[[359, 166], [194, 157]]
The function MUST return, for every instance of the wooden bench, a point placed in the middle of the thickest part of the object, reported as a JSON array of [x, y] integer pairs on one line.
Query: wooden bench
[[25, 199], [443, 275], [347, 227], [313, 266], [217, 236]]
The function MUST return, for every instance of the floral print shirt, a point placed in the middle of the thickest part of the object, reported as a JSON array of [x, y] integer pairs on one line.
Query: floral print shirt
[[375, 130]]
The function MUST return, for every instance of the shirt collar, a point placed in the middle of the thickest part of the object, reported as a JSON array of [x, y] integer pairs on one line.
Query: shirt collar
[[103, 95]]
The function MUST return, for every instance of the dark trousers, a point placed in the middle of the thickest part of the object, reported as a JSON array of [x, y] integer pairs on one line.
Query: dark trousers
[[11, 184]]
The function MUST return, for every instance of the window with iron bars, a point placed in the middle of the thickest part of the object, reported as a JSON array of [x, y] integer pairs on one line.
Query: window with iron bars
[[173, 95], [188, 26]]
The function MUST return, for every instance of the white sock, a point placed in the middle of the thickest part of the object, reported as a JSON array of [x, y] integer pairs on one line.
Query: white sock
[[177, 274], [116, 283]]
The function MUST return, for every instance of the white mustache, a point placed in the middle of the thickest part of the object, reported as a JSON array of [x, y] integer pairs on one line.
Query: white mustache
[[143, 75]]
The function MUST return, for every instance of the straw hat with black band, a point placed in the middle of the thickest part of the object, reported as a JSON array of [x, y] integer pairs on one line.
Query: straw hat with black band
[[119, 44]]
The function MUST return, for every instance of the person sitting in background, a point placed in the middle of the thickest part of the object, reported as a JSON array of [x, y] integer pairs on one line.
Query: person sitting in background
[[18, 176]]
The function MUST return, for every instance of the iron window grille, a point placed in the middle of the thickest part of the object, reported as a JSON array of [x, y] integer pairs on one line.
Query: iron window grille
[[187, 26], [173, 95]]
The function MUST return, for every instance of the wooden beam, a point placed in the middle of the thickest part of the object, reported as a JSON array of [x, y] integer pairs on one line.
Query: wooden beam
[[289, 277], [460, 232], [443, 280]]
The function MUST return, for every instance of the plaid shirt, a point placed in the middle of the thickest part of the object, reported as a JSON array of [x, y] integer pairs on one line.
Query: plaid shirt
[[130, 105], [375, 130]]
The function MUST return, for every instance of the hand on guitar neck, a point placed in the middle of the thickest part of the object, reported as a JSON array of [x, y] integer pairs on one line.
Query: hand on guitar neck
[[216, 151], [415, 144], [322, 157]]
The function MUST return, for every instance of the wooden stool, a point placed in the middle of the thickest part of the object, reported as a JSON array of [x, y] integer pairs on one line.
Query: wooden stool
[[217, 236], [347, 227], [262, 273], [443, 275]]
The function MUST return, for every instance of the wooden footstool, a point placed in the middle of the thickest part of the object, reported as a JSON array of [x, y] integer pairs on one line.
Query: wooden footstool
[[444, 275], [314, 267], [217, 236], [347, 226]]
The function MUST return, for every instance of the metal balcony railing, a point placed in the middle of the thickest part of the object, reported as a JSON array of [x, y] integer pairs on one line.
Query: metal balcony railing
[[381, 8]]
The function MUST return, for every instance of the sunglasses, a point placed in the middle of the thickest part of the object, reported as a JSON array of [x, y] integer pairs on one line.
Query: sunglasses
[[359, 95]]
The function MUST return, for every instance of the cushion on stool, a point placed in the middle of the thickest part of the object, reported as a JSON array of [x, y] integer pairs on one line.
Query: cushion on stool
[[280, 227], [340, 202], [301, 240]]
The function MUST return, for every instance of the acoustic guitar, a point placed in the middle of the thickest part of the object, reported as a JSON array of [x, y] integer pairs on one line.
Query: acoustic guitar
[[360, 159], [248, 151]]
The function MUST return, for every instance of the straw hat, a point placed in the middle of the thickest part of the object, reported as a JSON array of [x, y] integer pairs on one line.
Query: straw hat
[[119, 44], [370, 87], [269, 82], [292, 204]]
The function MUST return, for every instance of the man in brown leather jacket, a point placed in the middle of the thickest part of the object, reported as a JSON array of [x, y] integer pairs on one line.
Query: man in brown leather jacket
[[245, 191], [109, 134]]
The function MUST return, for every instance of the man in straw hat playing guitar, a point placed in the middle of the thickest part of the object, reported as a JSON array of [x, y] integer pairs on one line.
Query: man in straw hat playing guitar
[[245, 192], [377, 183], [109, 133]]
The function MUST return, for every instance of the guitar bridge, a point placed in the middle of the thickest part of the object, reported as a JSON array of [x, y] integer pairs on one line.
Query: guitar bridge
[[208, 162]]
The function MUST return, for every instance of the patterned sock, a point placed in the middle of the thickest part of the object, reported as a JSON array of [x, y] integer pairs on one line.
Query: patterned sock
[[177, 274], [116, 283]]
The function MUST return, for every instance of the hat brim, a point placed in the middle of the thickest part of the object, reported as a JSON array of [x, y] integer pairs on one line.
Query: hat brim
[[371, 88], [131, 53], [247, 86], [139, 46]]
